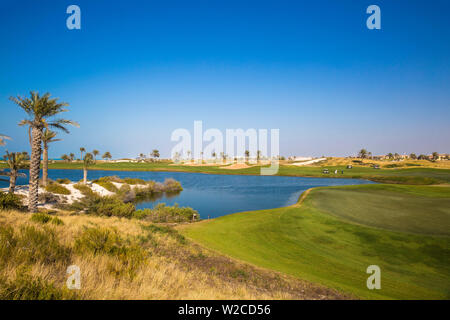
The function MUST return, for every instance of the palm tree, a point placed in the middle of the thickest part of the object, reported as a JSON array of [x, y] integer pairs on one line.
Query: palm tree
[[87, 161], [72, 156], [258, 155], [247, 155], [65, 157], [155, 153], [3, 137], [413, 156], [14, 160], [81, 151], [106, 155], [48, 136], [95, 153], [41, 110], [189, 154]]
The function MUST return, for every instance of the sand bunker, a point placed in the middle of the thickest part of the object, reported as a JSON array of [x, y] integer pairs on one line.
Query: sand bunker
[[236, 166]]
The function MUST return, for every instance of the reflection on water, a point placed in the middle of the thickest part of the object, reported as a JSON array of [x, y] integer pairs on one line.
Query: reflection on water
[[215, 195]]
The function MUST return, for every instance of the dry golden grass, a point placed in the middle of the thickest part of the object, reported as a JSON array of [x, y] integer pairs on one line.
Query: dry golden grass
[[173, 269], [335, 161]]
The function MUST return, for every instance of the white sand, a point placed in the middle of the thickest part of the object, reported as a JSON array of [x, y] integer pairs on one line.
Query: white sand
[[304, 163]]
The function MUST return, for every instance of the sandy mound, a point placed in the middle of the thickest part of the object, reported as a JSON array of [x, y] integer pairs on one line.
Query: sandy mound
[[236, 166]]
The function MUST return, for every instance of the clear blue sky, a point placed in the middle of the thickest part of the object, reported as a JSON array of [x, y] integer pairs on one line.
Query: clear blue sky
[[137, 70]]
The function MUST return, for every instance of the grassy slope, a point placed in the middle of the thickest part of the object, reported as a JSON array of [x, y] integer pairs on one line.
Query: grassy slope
[[155, 262], [310, 244], [397, 175]]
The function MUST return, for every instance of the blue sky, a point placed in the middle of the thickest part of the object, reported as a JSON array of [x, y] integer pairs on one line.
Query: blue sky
[[137, 70]]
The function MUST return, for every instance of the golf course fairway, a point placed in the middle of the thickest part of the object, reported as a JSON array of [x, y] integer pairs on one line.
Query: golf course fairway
[[333, 234]]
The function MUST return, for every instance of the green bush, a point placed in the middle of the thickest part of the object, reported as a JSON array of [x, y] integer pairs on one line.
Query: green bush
[[10, 201], [57, 221], [57, 188], [171, 185], [107, 184], [25, 287], [163, 213], [63, 181], [105, 241], [165, 230], [31, 245], [41, 217], [84, 189], [48, 197], [134, 181], [104, 206]]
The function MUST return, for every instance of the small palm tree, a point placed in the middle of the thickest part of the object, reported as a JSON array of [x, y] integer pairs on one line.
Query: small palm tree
[[155, 153], [15, 161], [48, 136], [258, 155], [87, 162], [81, 151], [247, 155], [72, 156], [65, 157], [3, 137], [41, 111], [95, 153], [106, 155]]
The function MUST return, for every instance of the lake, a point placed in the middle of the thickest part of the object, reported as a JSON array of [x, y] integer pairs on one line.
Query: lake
[[216, 195]]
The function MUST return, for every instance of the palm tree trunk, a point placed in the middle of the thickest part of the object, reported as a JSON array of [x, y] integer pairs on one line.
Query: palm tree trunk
[[45, 166], [12, 181], [35, 163], [84, 175]]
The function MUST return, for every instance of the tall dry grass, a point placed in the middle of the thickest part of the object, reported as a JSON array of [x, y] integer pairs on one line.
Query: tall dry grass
[[162, 265]]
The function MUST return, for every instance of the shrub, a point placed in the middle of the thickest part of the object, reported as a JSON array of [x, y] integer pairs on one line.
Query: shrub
[[84, 189], [48, 197], [126, 193], [25, 287], [104, 206], [63, 181], [134, 181], [57, 188], [107, 184], [57, 221], [165, 230], [41, 217], [31, 245], [171, 185], [163, 213], [109, 242], [10, 201]]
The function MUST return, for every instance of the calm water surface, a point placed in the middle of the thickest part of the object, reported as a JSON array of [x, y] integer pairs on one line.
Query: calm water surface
[[217, 195]]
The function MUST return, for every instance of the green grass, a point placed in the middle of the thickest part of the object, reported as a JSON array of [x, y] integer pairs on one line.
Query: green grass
[[415, 209], [57, 188], [310, 243]]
